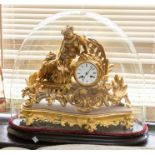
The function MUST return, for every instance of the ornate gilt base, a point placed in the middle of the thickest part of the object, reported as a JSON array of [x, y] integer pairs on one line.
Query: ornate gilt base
[[88, 122]]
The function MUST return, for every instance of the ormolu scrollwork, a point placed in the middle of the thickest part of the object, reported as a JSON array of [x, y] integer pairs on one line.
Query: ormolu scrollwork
[[88, 122]]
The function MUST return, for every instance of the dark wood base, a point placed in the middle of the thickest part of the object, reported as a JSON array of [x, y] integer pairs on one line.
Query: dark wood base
[[61, 135]]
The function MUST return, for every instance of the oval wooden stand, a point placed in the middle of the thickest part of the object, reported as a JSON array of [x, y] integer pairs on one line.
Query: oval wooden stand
[[73, 135]]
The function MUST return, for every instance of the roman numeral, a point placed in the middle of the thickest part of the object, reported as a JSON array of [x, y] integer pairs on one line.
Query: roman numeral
[[92, 76], [81, 77]]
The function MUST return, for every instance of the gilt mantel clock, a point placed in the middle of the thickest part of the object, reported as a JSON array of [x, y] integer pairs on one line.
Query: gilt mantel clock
[[71, 94]]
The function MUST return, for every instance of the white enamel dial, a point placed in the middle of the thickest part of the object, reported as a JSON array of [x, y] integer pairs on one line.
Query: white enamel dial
[[86, 73]]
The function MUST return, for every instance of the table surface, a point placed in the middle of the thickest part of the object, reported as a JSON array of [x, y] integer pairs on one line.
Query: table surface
[[6, 141]]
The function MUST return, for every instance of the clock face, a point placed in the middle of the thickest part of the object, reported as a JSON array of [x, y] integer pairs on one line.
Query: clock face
[[86, 74]]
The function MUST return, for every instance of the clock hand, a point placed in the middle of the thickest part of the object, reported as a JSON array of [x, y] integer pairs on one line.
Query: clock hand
[[89, 70], [87, 73]]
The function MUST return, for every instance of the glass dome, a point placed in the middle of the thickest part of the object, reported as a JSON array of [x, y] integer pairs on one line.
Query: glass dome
[[46, 36]]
